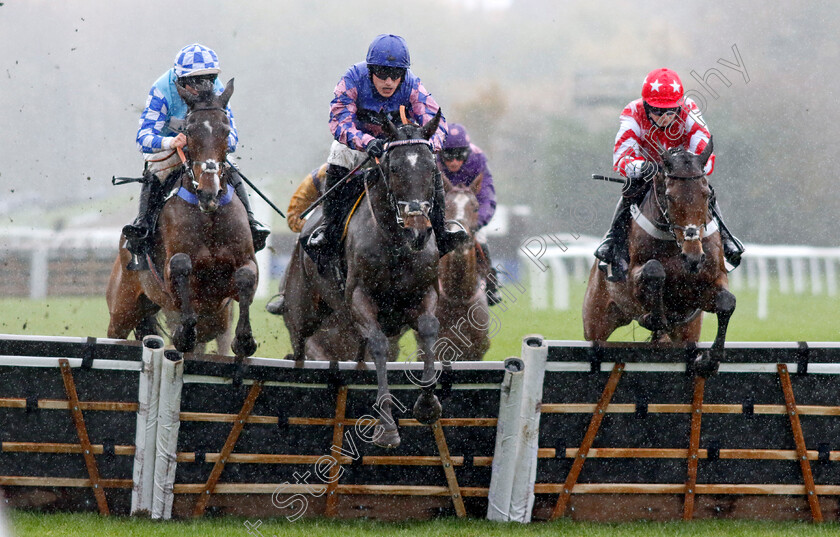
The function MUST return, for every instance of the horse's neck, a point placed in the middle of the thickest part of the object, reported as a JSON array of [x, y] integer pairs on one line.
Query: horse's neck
[[459, 275]]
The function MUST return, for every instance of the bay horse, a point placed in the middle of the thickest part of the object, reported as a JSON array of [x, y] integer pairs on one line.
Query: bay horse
[[462, 309], [202, 246], [392, 271], [677, 267]]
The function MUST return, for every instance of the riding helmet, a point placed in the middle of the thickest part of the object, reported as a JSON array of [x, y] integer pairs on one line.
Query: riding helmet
[[457, 137], [662, 89], [195, 60], [389, 50]]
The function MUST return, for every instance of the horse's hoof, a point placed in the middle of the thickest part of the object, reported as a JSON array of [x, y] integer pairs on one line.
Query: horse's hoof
[[705, 365], [244, 346], [387, 439], [427, 408]]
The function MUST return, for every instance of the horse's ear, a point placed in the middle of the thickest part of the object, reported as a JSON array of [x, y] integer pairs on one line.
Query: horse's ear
[[189, 97], [707, 152], [447, 184], [225, 96], [430, 128], [475, 186], [388, 127]]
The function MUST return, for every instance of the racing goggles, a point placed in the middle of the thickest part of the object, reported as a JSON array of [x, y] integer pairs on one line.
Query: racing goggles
[[663, 111], [456, 153], [385, 72], [197, 80]]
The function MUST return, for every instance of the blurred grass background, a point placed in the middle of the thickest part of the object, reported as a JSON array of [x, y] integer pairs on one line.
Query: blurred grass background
[[791, 318]]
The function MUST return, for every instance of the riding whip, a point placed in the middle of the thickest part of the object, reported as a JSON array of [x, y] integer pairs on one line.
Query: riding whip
[[255, 189], [347, 177], [608, 179]]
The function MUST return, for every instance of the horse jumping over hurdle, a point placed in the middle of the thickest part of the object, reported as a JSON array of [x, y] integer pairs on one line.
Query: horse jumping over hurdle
[[203, 256], [677, 267]]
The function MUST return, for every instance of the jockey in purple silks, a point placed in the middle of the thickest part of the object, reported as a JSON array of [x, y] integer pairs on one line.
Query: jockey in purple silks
[[379, 85], [161, 134], [462, 162]]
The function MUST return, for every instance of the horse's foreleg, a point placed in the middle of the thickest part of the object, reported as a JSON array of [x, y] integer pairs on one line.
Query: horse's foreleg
[[427, 408], [722, 303], [650, 281], [364, 313], [245, 282], [724, 308], [180, 268]]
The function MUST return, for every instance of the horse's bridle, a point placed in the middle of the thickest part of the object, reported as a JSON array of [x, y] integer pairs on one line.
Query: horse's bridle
[[423, 207], [690, 232], [206, 165]]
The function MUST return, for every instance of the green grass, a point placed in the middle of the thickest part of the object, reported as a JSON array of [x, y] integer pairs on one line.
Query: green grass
[[791, 318], [27, 524]]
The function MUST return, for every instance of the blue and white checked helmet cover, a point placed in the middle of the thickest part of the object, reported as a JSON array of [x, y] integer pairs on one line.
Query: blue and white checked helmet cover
[[195, 60]]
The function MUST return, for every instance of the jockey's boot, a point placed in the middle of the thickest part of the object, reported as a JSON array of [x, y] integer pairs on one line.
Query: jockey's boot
[[491, 288], [259, 232], [326, 238], [613, 251], [277, 305], [137, 234], [732, 247], [446, 240]]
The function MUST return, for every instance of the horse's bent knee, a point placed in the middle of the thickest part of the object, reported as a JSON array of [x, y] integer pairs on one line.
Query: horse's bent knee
[[245, 278], [653, 270], [428, 326], [725, 302], [378, 345], [180, 265]]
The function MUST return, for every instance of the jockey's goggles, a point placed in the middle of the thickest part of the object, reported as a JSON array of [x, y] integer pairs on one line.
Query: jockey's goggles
[[197, 80], [384, 72], [456, 153], [663, 111]]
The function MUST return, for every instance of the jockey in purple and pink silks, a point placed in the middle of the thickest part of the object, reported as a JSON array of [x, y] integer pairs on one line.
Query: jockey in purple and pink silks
[[380, 84], [161, 133], [463, 162]]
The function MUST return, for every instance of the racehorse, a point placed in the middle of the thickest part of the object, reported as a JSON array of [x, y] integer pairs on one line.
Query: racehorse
[[462, 309], [202, 246], [391, 267], [676, 264]]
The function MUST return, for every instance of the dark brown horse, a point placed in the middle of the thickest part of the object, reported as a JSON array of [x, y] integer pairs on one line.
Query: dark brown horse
[[391, 271], [202, 246], [676, 264], [462, 304]]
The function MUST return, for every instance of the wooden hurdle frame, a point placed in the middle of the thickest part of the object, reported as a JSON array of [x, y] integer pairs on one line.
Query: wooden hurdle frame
[[67, 373], [618, 359], [156, 433]]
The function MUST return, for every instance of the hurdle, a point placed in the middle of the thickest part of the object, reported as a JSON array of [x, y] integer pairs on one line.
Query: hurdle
[[608, 432], [188, 437], [628, 432], [67, 422]]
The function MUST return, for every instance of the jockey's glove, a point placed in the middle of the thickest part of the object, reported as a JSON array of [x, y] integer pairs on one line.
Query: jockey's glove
[[376, 148]]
